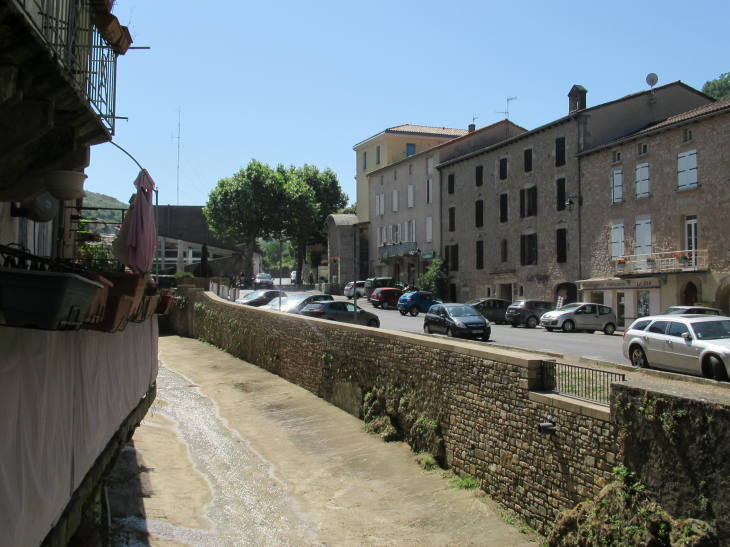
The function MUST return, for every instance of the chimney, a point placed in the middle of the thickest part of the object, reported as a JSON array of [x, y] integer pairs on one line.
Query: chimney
[[577, 98], [472, 128]]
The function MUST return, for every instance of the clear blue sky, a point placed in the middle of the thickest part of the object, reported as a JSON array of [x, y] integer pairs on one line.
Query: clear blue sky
[[302, 82]]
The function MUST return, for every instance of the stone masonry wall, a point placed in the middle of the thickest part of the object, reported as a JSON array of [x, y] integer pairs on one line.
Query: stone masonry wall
[[474, 402]]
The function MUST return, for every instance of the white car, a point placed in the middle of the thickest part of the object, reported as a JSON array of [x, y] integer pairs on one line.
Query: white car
[[349, 291], [693, 344]]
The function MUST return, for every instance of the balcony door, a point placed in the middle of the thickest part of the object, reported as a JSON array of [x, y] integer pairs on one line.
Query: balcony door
[[690, 230], [643, 242]]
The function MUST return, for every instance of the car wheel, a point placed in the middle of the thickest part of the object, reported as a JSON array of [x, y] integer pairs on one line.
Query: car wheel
[[532, 322], [384, 305], [513, 325], [349, 297], [415, 311], [427, 329], [402, 312], [590, 331], [568, 326], [609, 329], [485, 338], [718, 369], [549, 329], [449, 332], [373, 323], [638, 358]]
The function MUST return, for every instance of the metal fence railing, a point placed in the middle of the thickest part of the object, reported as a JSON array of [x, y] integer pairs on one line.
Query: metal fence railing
[[581, 382]]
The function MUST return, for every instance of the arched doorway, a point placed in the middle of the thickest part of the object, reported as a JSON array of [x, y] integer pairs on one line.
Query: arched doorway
[[690, 294], [565, 293]]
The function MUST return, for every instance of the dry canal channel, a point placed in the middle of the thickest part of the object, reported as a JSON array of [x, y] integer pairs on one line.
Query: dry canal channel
[[234, 455]]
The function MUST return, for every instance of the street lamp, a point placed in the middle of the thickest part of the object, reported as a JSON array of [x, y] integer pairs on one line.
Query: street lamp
[[570, 203]]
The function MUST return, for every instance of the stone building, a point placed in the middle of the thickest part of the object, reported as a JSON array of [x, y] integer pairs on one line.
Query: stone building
[[342, 232], [512, 215], [405, 196], [648, 199]]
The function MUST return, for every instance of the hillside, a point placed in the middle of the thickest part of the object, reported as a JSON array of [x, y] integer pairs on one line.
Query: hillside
[[93, 199]]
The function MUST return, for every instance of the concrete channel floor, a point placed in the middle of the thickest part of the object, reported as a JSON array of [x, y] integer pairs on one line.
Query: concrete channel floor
[[233, 455]]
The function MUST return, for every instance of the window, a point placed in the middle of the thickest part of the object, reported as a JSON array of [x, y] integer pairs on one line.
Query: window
[[480, 254], [677, 329], [380, 204], [429, 191], [452, 257], [528, 249], [528, 202], [390, 234], [617, 186], [381, 180], [528, 160], [380, 236], [364, 161], [503, 208], [687, 170], [559, 151], [410, 169], [642, 180], [561, 238], [479, 213], [643, 149], [451, 183], [396, 233], [479, 175], [452, 219], [658, 327], [617, 240], [377, 155], [643, 237], [395, 174], [560, 197], [410, 149], [377, 204], [412, 235], [617, 156], [504, 250], [429, 229], [410, 195], [687, 135], [502, 168], [429, 166], [395, 200]]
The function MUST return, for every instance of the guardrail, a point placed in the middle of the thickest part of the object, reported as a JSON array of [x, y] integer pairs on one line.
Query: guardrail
[[669, 261], [396, 249], [585, 383]]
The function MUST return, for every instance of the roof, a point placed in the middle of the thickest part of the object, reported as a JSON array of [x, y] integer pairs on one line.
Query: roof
[[409, 129], [691, 115], [343, 220]]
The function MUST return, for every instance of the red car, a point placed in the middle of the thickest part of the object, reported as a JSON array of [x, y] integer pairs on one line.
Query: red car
[[386, 297]]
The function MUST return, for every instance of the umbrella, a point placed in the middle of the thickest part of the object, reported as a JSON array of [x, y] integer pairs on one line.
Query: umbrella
[[138, 231]]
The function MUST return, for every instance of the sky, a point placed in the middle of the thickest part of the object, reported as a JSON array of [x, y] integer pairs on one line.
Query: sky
[[302, 82]]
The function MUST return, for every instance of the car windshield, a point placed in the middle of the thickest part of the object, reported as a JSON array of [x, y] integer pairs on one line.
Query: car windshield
[[409, 293], [712, 330], [296, 298], [462, 311], [517, 304], [254, 294], [569, 307], [263, 276]]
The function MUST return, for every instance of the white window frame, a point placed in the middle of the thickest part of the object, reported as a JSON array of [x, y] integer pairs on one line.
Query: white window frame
[[390, 233], [410, 196], [642, 180], [395, 200], [396, 233], [429, 229], [412, 236], [617, 186], [377, 205], [687, 170], [617, 240]]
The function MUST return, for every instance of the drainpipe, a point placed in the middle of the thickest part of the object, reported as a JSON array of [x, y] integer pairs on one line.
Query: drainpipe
[[440, 215], [580, 205]]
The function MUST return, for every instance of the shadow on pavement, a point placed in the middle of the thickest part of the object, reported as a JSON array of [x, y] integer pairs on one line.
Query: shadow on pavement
[[127, 487]]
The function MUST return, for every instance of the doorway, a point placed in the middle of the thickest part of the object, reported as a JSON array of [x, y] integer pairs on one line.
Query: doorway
[[566, 294], [690, 294], [690, 224], [505, 291], [621, 309]]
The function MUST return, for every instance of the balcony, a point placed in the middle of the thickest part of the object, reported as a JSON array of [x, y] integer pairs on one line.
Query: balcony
[[663, 262], [392, 250]]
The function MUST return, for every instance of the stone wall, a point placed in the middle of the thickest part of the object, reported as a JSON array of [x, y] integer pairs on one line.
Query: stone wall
[[468, 403]]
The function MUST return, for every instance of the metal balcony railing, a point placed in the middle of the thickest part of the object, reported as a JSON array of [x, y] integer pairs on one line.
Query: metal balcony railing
[[67, 28], [663, 262], [581, 382], [396, 249]]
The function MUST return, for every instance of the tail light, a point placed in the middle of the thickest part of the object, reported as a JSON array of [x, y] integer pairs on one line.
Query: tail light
[[320, 313], [624, 336]]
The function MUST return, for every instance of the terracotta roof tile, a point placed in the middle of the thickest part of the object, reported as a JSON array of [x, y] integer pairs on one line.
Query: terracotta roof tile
[[426, 130]]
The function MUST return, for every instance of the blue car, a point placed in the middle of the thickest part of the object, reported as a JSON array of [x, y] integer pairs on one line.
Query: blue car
[[415, 302]]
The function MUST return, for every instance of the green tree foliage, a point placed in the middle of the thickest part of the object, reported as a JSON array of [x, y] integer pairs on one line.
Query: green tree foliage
[[271, 255], [204, 271], [350, 209], [93, 199], [247, 206], [719, 88], [435, 279]]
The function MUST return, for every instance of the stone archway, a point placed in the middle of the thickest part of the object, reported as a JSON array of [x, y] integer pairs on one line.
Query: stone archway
[[690, 294], [722, 296], [565, 293]]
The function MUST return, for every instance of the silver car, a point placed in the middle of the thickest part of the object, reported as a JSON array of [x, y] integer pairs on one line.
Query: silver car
[[693, 344], [580, 316], [350, 288], [295, 303]]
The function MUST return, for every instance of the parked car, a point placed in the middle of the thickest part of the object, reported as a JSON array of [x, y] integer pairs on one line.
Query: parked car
[[580, 316], [456, 320], [373, 283], [260, 298], [263, 281], [296, 302], [385, 297], [493, 309], [527, 312], [341, 311], [682, 343], [693, 310], [350, 291], [293, 276], [415, 302]]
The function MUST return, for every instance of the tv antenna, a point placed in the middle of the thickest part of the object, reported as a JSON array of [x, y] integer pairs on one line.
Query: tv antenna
[[506, 112], [474, 118], [179, 146]]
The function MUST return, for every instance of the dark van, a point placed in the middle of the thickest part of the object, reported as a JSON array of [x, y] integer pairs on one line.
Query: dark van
[[373, 283]]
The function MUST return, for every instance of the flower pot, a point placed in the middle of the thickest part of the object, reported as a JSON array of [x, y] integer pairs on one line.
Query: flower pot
[[65, 185], [102, 6], [166, 303], [97, 310], [44, 300], [116, 316]]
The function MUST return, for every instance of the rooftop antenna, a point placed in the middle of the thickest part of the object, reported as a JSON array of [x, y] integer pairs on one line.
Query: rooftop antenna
[[506, 113], [179, 115], [474, 118]]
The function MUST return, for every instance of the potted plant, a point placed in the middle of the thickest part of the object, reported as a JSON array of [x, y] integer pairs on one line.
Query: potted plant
[[682, 259]]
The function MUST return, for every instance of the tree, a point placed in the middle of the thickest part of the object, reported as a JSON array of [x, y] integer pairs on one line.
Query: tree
[[247, 206], [204, 261], [435, 279], [350, 209], [719, 88]]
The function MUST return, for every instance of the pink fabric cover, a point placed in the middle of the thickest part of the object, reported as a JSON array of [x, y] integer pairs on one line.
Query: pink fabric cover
[[142, 237]]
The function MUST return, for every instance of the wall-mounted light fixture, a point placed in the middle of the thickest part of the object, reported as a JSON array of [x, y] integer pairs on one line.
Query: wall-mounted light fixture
[[570, 203], [546, 428]]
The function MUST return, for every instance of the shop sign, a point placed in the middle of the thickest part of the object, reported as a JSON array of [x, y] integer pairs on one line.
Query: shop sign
[[426, 255], [619, 284]]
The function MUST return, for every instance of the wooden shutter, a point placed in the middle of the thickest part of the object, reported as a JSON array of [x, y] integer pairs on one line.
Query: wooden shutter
[[617, 186], [522, 250], [502, 168], [410, 195], [642, 180], [395, 200], [532, 201], [560, 191], [377, 204], [687, 169], [455, 257], [533, 248], [479, 175], [503, 208], [528, 160], [617, 240], [429, 229], [559, 151], [451, 184], [452, 219], [429, 189], [480, 255], [479, 213], [522, 203], [447, 257], [562, 245]]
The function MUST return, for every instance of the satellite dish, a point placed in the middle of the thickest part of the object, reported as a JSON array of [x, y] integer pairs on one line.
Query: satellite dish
[[652, 79]]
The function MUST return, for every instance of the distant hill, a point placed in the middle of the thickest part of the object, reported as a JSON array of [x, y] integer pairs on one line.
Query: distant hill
[[93, 199]]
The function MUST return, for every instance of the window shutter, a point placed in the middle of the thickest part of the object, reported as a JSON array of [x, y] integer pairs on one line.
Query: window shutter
[[528, 160], [451, 184], [503, 208], [455, 257], [395, 200], [533, 200], [479, 175], [562, 245], [479, 213], [390, 233], [617, 240], [413, 230], [446, 256], [429, 189], [410, 195], [561, 198], [533, 247], [400, 233], [522, 203], [642, 180], [682, 171], [559, 151], [480, 255], [502, 168], [377, 204], [429, 229], [692, 169], [452, 219], [429, 166], [618, 186], [522, 250]]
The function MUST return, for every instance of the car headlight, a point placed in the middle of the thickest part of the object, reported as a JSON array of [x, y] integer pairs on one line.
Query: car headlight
[[459, 324]]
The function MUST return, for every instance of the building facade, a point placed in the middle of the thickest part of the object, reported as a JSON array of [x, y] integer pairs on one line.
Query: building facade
[[651, 200], [511, 213]]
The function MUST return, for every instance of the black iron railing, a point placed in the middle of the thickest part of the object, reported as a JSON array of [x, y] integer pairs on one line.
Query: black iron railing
[[583, 383]]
